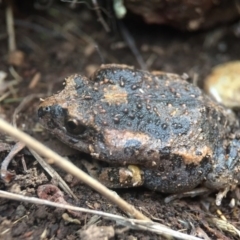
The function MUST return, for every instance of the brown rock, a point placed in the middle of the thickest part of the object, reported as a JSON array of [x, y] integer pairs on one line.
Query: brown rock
[[184, 14]]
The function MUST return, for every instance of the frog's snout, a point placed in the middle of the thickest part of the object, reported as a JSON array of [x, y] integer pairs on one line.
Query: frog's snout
[[55, 112], [42, 111]]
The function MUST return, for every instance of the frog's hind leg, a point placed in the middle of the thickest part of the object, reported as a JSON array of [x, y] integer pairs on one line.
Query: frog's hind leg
[[175, 181], [115, 177]]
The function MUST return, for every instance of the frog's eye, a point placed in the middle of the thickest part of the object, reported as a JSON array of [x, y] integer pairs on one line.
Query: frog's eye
[[74, 127]]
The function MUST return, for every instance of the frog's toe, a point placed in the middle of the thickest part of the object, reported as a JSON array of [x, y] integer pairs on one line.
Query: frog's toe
[[116, 177]]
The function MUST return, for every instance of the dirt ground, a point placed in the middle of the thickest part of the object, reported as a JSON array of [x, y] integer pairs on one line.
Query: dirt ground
[[60, 41]]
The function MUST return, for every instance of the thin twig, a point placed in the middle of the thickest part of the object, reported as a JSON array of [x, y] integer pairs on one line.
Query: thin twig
[[100, 54], [100, 17], [38, 28], [5, 95], [15, 74], [15, 150], [72, 169], [23, 104], [10, 28], [130, 223], [53, 174], [132, 45]]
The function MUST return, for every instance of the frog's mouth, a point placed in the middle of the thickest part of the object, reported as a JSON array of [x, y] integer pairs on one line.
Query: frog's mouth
[[53, 118], [61, 133]]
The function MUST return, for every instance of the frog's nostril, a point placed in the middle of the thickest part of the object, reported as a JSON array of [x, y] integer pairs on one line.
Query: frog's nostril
[[42, 111]]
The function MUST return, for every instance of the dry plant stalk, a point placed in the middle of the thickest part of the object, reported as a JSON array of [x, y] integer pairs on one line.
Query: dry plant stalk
[[10, 28], [143, 222], [130, 223], [72, 169]]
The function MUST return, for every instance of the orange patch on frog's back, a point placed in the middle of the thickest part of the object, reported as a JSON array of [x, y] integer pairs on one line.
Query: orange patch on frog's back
[[114, 94], [189, 155], [114, 65], [118, 139]]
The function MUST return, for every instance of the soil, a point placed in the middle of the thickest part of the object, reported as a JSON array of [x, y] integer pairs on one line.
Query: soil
[[59, 41]]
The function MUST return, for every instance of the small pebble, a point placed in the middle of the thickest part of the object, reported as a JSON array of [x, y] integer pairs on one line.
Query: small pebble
[[20, 211], [223, 83]]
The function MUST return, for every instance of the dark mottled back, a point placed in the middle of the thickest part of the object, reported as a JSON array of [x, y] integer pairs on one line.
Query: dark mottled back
[[157, 121]]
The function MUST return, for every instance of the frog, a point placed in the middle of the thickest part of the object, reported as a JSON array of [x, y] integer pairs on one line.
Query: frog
[[151, 129]]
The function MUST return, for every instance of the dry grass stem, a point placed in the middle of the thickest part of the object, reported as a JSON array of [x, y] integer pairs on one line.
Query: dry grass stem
[[128, 38], [225, 226], [26, 101], [72, 169], [15, 150], [10, 28], [99, 15], [53, 174], [130, 223]]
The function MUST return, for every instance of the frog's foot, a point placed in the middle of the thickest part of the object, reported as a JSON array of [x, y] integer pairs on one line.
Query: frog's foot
[[115, 177], [193, 193]]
